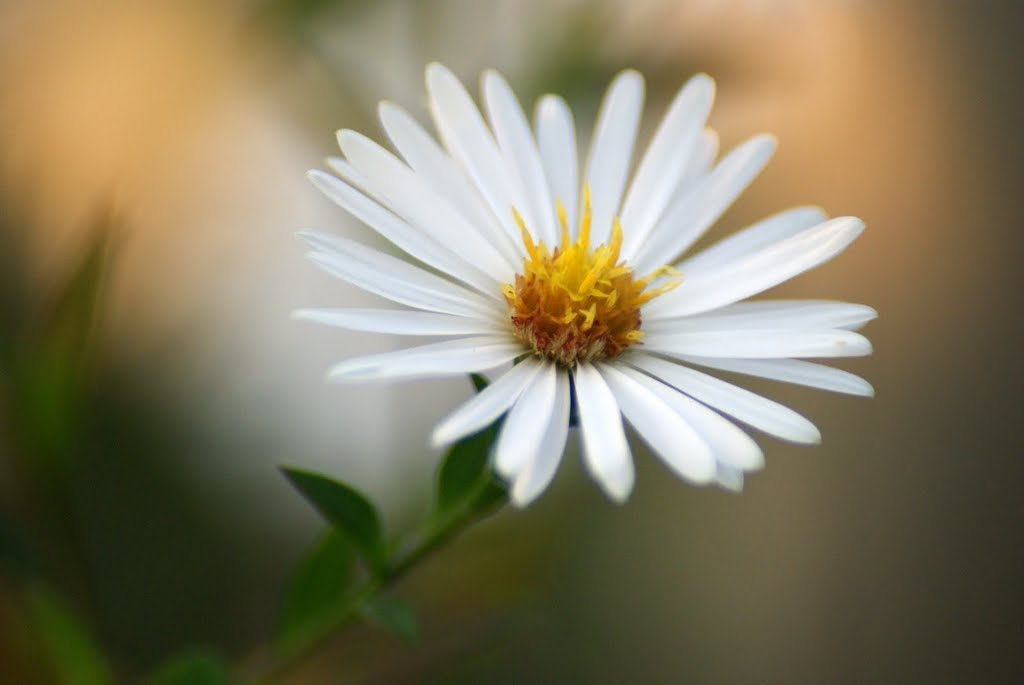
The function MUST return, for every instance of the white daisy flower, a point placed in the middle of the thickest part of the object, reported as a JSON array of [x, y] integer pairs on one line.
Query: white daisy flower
[[512, 256]]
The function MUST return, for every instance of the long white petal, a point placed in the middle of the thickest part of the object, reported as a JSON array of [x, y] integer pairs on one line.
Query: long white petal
[[750, 408], [770, 314], [728, 442], [605, 450], [470, 142], [612, 149], [703, 157], [443, 174], [415, 243], [522, 434], [665, 161], [699, 207], [520, 151], [536, 476], [794, 371], [399, 322], [487, 405], [760, 344], [762, 234], [556, 138], [465, 355], [394, 278], [410, 196], [748, 275], [729, 477], [674, 440]]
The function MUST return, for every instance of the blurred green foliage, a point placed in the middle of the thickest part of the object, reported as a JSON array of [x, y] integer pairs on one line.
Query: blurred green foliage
[[195, 667], [68, 650]]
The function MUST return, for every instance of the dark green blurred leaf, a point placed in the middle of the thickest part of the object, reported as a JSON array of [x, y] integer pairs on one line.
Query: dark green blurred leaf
[[394, 615], [316, 592], [70, 652], [464, 478], [195, 667], [347, 510], [51, 359], [14, 558]]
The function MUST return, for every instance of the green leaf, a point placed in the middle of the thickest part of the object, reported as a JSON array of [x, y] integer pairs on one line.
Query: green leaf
[[317, 589], [69, 649], [195, 667], [51, 364], [14, 558], [464, 478], [394, 615], [346, 509]]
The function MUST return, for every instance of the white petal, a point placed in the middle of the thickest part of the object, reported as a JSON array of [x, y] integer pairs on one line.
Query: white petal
[[669, 435], [665, 161], [743, 405], [409, 195], [443, 174], [522, 434], [699, 207], [760, 344], [399, 322], [605, 450], [762, 234], [748, 275], [394, 278], [536, 476], [413, 242], [700, 162], [612, 149], [728, 443], [465, 355], [770, 314], [556, 138], [729, 477], [470, 142], [791, 371], [520, 151], [487, 405]]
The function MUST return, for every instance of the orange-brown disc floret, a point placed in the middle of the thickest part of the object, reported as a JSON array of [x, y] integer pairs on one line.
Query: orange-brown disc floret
[[576, 304]]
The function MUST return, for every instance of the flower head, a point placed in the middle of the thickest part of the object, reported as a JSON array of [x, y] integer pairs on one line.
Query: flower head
[[511, 257]]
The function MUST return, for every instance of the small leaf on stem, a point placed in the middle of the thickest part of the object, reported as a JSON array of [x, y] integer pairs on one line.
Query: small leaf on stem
[[346, 509], [394, 615], [464, 478], [316, 592]]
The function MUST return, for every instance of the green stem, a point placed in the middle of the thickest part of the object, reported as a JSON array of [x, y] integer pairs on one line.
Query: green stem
[[433, 536]]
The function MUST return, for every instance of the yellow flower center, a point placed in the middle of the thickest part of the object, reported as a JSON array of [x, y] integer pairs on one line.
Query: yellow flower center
[[577, 303]]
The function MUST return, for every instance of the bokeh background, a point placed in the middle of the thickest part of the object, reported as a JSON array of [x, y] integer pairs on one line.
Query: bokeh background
[[151, 181]]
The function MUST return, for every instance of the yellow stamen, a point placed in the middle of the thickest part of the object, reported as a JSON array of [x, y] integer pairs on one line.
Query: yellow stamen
[[563, 221], [577, 303]]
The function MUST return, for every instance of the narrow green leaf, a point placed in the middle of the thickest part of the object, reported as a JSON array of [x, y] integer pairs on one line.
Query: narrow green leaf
[[346, 509], [14, 558], [52, 357], [70, 652], [195, 667], [394, 615], [464, 469], [317, 589], [464, 475]]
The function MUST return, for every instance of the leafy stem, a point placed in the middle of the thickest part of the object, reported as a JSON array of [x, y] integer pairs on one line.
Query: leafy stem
[[320, 601]]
